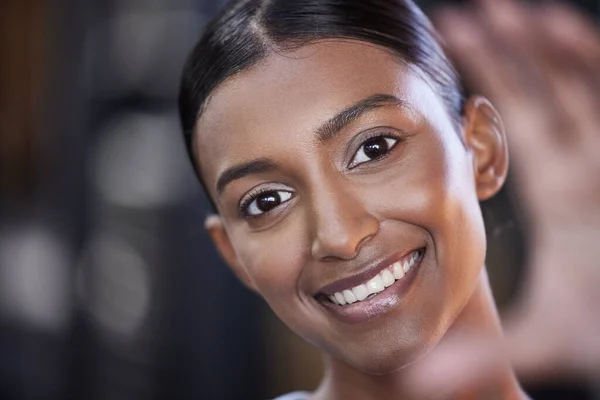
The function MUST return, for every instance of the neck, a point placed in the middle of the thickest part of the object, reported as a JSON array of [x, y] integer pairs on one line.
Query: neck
[[478, 316]]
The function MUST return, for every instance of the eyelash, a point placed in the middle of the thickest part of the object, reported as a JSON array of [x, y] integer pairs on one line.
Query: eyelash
[[252, 196], [255, 193], [375, 135]]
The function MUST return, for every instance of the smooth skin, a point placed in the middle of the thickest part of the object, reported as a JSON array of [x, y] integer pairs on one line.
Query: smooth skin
[[340, 211]]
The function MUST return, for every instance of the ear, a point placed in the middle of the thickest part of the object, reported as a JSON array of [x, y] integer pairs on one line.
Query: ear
[[214, 225], [484, 136]]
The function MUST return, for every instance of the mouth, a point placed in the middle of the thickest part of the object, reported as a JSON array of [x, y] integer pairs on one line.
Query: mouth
[[364, 296]]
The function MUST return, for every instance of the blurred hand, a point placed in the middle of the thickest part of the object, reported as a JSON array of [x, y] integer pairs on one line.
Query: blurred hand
[[540, 65]]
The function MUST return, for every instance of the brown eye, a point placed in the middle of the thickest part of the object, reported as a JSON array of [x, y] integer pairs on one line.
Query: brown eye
[[373, 149], [267, 201]]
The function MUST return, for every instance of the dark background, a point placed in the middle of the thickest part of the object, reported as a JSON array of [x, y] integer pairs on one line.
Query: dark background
[[109, 288]]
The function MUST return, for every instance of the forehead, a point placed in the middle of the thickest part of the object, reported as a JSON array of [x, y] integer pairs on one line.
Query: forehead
[[288, 95]]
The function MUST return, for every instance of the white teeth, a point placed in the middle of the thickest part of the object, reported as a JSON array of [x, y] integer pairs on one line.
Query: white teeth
[[410, 262], [360, 292], [387, 277], [397, 270], [349, 296], [375, 285], [340, 299], [406, 266]]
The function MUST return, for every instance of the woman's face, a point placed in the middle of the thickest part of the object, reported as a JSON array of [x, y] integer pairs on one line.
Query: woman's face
[[336, 166]]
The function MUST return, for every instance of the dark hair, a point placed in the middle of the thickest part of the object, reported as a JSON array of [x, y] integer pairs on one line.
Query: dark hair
[[247, 31]]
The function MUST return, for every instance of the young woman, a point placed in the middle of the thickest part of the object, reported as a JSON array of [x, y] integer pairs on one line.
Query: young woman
[[346, 172]]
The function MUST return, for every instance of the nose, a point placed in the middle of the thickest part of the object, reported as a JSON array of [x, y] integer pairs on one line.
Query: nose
[[342, 224]]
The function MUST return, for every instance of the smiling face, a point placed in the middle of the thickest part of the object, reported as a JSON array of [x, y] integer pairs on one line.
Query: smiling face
[[332, 164]]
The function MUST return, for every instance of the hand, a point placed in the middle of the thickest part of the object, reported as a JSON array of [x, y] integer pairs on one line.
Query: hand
[[540, 66]]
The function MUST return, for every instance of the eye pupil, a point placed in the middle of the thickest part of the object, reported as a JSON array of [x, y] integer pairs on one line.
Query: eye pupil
[[268, 201], [375, 147]]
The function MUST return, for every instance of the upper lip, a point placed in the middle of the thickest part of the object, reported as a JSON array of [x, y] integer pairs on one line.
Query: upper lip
[[362, 277]]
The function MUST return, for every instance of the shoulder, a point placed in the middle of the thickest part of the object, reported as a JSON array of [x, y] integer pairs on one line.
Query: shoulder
[[294, 396]]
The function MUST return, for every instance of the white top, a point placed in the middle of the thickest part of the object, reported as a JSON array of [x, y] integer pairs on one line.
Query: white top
[[294, 396]]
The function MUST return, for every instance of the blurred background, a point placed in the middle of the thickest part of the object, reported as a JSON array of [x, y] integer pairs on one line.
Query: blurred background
[[109, 288]]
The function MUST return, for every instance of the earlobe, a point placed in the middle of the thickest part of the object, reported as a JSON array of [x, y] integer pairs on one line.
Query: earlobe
[[214, 226], [484, 136]]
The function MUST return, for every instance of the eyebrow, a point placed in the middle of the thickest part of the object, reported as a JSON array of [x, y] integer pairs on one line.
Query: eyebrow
[[244, 169], [324, 133], [336, 124]]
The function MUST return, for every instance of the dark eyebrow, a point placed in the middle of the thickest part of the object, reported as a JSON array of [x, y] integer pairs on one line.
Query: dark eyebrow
[[324, 133], [241, 170], [337, 123]]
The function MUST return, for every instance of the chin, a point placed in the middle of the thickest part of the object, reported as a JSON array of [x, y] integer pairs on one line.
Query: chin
[[388, 355], [398, 345], [386, 361]]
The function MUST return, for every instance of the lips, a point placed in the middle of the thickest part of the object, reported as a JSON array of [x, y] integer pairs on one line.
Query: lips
[[378, 283], [365, 276], [373, 292]]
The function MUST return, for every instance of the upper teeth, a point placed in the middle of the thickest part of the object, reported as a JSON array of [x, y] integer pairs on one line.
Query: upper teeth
[[377, 284]]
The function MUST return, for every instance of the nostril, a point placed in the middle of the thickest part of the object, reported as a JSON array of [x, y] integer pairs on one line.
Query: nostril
[[341, 237], [363, 242], [330, 258]]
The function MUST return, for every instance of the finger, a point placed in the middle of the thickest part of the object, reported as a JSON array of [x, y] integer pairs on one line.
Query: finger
[[486, 70], [575, 29], [520, 33], [574, 46], [468, 46], [487, 66], [509, 27]]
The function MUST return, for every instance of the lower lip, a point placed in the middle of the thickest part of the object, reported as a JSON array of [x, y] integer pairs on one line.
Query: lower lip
[[365, 310]]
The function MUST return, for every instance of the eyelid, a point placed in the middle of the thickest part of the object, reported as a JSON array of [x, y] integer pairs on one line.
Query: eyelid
[[253, 194], [285, 196], [386, 132]]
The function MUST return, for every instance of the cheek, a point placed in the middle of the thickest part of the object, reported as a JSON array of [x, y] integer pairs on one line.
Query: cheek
[[441, 183], [274, 260], [453, 207], [434, 189], [432, 192]]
